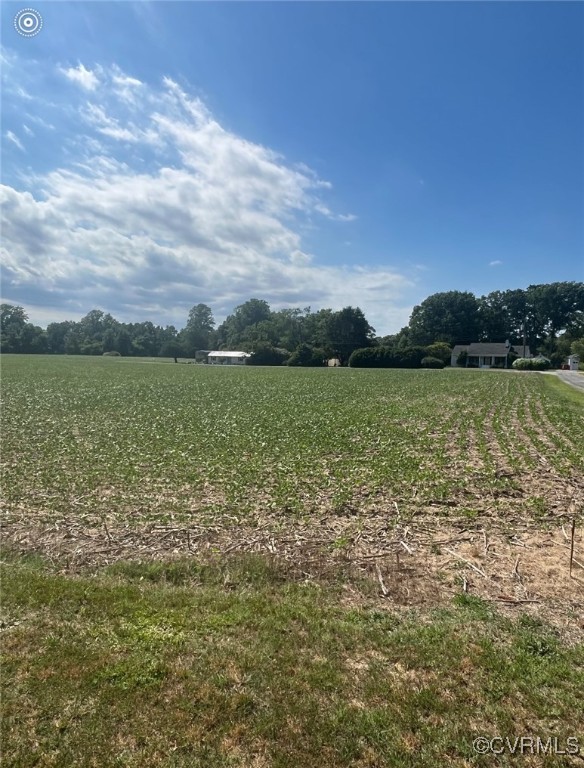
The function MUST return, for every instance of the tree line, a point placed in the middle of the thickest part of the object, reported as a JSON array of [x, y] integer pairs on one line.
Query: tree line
[[550, 317]]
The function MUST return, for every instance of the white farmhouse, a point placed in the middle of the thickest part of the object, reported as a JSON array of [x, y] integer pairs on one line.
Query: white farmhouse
[[227, 358]]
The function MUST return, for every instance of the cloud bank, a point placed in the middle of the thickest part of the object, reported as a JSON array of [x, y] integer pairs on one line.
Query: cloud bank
[[160, 207]]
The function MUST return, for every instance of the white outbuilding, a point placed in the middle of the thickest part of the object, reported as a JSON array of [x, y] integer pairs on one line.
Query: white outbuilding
[[227, 358]]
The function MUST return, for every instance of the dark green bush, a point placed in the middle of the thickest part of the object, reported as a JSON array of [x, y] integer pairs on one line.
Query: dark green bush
[[557, 359], [266, 354], [307, 356], [113, 353], [384, 357], [432, 362], [441, 350], [410, 357], [371, 357]]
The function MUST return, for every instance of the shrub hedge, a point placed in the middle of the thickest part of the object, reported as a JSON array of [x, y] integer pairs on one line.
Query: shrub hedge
[[531, 364]]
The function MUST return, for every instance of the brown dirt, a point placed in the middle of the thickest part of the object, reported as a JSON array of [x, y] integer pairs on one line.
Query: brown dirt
[[413, 556]]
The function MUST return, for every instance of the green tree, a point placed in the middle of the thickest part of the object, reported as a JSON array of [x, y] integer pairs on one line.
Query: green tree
[[265, 354], [451, 317], [577, 348], [556, 307], [197, 333], [72, 341], [234, 331], [252, 312], [290, 327], [92, 325], [56, 333], [13, 320], [145, 341], [172, 348], [501, 316], [316, 329], [33, 340], [123, 343], [307, 356], [346, 331], [109, 340]]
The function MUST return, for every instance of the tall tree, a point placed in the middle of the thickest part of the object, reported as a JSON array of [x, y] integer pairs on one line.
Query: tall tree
[[13, 321], [172, 348], [290, 326], [451, 317], [56, 333], [72, 341], [502, 315], [33, 340], [123, 343], [198, 331], [234, 330], [556, 307], [348, 330]]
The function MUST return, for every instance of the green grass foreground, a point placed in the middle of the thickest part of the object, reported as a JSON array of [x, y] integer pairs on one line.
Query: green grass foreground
[[230, 665]]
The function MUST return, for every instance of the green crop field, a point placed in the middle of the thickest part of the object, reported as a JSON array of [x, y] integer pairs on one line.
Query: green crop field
[[173, 528]]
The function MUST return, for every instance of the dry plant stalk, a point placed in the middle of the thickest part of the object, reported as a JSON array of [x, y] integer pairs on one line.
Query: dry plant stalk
[[384, 589], [572, 545], [464, 560]]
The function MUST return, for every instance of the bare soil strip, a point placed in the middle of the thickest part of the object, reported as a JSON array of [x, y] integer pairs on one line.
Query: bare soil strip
[[419, 556]]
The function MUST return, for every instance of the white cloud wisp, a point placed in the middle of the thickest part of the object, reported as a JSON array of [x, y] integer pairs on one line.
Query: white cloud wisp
[[162, 207]]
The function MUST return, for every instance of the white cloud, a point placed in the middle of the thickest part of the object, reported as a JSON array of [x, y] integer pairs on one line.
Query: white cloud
[[27, 130], [14, 139], [109, 126], [39, 121], [24, 94], [82, 76], [124, 81], [167, 208], [127, 88], [300, 258], [495, 263]]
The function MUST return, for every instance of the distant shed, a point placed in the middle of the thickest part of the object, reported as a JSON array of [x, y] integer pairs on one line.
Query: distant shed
[[227, 357], [573, 362]]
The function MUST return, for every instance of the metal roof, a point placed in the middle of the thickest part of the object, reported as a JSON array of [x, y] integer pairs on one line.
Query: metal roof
[[226, 353]]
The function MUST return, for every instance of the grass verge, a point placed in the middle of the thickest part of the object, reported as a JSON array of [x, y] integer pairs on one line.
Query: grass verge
[[231, 664]]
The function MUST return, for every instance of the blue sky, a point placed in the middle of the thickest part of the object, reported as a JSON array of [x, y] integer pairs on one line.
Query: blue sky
[[161, 154]]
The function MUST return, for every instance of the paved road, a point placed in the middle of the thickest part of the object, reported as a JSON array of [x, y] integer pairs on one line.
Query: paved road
[[573, 378]]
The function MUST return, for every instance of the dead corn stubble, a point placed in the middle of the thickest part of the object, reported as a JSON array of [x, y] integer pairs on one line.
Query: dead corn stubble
[[413, 557], [481, 501]]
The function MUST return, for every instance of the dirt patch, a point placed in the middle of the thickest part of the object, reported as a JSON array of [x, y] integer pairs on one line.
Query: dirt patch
[[410, 556]]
